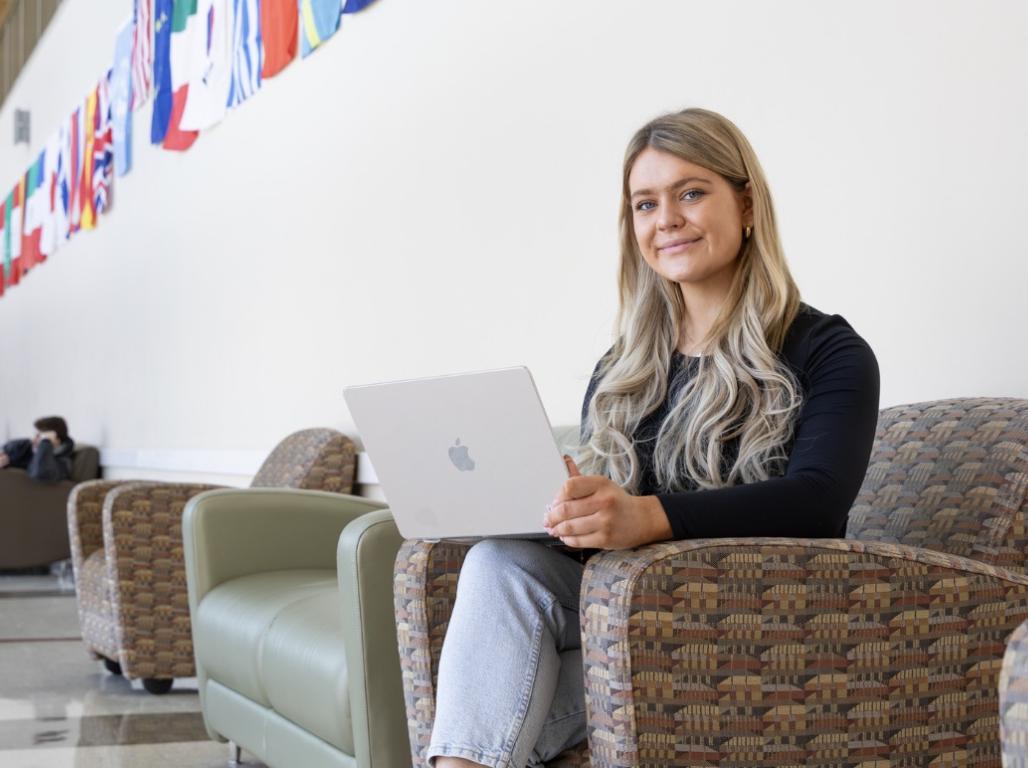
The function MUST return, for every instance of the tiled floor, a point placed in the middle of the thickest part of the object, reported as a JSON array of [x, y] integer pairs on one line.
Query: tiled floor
[[59, 707]]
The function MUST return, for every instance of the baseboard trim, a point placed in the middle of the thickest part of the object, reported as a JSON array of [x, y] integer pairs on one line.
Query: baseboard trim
[[237, 463]]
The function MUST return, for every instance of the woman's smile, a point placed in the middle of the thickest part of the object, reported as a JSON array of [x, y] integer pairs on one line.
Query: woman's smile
[[677, 246]]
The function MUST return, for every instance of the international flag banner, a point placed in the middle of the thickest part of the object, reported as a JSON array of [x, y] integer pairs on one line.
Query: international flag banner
[[279, 29], [210, 76], [162, 93], [247, 51], [319, 20], [87, 218], [121, 100], [103, 149], [142, 52], [185, 33]]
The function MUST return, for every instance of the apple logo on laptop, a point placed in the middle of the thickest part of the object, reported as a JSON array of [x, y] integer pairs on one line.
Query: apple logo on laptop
[[459, 457]]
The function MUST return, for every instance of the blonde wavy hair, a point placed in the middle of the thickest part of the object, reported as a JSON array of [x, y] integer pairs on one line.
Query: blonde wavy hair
[[741, 390]]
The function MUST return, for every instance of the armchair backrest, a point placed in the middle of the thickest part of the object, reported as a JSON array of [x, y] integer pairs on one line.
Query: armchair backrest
[[311, 459], [85, 463], [951, 476]]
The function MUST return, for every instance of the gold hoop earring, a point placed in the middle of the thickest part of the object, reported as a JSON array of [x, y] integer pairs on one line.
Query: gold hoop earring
[[748, 230]]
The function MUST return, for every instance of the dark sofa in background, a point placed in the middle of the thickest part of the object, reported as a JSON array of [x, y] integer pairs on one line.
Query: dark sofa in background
[[33, 514]]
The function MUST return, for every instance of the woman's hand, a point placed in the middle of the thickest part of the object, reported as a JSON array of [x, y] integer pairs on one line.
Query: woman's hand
[[592, 511]]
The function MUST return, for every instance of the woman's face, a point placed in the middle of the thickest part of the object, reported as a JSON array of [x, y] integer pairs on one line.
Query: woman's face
[[688, 220]]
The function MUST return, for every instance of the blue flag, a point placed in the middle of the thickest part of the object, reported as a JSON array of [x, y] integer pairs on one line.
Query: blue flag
[[121, 99], [162, 96]]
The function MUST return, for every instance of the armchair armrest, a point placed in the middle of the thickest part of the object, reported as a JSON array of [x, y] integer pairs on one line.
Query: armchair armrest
[[142, 529], [367, 551], [424, 591], [85, 518], [236, 532], [774, 651]]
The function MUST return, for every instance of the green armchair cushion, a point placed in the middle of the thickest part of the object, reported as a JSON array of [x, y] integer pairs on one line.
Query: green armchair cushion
[[303, 667], [233, 620]]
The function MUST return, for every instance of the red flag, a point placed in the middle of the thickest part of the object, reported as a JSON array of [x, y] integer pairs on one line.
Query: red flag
[[29, 244], [16, 223], [176, 137]]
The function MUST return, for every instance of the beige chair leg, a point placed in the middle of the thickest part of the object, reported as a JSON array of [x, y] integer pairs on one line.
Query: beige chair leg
[[235, 754]]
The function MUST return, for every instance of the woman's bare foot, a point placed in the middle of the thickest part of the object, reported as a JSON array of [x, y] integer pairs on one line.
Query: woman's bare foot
[[454, 762]]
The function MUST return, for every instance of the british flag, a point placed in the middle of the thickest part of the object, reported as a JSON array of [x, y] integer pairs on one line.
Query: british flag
[[103, 147]]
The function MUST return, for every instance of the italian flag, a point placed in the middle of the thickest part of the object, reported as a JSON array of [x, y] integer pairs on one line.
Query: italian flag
[[32, 227], [185, 29]]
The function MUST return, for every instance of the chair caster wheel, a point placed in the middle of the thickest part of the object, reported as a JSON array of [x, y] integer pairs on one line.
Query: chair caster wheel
[[157, 686], [112, 666]]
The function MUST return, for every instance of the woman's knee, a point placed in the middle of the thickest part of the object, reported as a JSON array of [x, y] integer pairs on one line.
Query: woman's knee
[[496, 560], [520, 568]]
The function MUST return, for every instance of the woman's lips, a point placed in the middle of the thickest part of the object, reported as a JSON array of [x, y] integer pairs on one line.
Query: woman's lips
[[677, 246]]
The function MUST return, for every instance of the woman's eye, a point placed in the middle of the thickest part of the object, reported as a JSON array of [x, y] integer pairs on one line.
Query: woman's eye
[[645, 205], [696, 194]]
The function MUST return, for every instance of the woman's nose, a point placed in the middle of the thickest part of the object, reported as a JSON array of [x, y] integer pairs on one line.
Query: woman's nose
[[670, 217]]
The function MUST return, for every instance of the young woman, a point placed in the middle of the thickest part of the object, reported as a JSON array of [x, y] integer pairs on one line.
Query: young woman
[[726, 407]]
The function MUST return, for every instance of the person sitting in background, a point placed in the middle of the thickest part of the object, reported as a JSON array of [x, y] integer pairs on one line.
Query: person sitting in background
[[47, 456]]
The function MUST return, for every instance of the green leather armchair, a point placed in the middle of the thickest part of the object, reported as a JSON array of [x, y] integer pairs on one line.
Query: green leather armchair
[[293, 629]]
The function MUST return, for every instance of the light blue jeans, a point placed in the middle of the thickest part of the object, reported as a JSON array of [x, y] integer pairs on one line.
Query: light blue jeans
[[510, 689]]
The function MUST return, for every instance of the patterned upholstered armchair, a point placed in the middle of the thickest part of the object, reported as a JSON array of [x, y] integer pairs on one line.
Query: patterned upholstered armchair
[[883, 648], [126, 546]]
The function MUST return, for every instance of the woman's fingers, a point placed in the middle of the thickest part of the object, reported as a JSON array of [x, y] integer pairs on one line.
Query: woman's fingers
[[576, 526], [580, 486], [565, 511], [585, 541]]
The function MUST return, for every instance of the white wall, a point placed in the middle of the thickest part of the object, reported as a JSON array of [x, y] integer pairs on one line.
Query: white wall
[[436, 190]]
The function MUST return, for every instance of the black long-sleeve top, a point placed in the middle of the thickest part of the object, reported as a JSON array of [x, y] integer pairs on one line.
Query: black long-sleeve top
[[828, 455]]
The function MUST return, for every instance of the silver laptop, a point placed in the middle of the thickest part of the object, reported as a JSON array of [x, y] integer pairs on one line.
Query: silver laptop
[[463, 456]]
